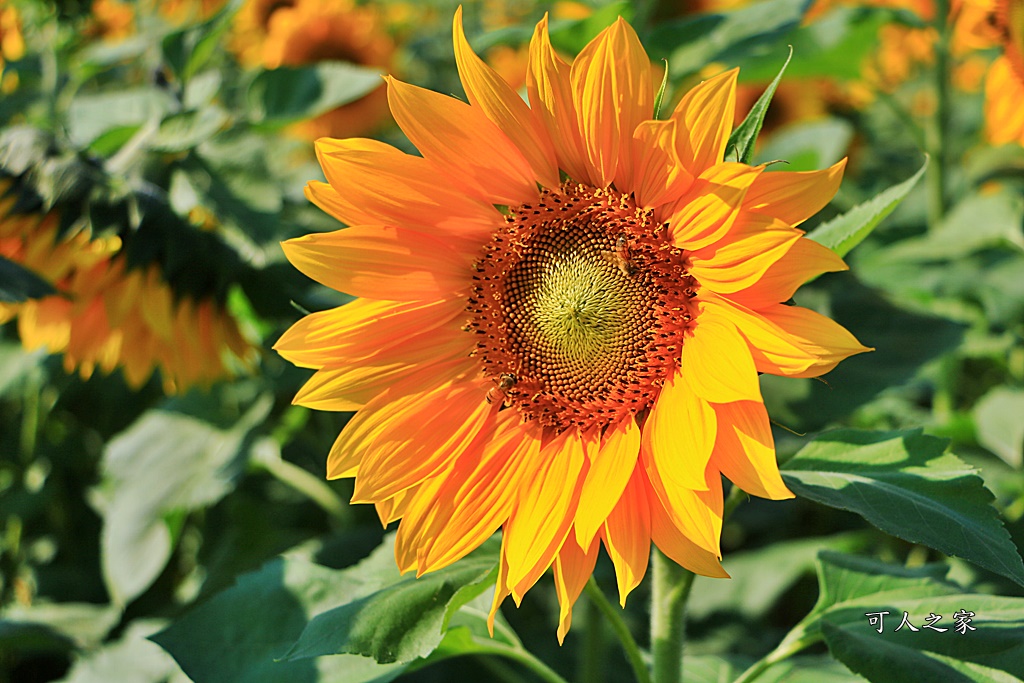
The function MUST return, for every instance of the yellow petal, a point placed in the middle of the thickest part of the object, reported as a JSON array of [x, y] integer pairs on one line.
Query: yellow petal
[[1004, 117], [549, 88], [804, 260], [745, 450], [826, 339], [606, 479], [709, 208], [705, 116], [613, 92], [543, 515], [420, 439], [734, 264], [697, 514], [501, 590], [793, 197], [502, 105], [717, 364], [627, 535], [381, 262], [460, 139], [680, 434], [677, 545], [366, 328], [658, 176], [573, 568]]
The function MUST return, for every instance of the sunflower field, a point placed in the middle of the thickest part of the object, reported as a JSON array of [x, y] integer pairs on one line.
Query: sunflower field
[[328, 326]]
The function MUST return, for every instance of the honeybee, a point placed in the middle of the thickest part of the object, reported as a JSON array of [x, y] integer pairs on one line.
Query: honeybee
[[497, 393], [621, 256]]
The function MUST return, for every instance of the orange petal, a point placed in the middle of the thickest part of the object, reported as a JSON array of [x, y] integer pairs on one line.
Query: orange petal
[[544, 512], [549, 88], [1004, 117], [698, 514], [680, 434], [716, 361], [371, 182], [419, 499], [678, 547], [613, 92], [423, 434], [478, 499], [489, 92], [705, 116], [708, 210], [461, 140], [658, 176], [793, 197], [606, 479], [804, 260], [627, 534], [826, 339], [501, 590], [573, 568], [745, 450], [734, 264], [380, 262], [365, 328]]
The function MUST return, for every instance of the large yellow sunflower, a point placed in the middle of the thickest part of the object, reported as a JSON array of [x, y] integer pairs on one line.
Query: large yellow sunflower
[[564, 306]]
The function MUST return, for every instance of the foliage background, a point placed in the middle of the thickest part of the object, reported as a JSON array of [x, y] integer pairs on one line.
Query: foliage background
[[191, 504]]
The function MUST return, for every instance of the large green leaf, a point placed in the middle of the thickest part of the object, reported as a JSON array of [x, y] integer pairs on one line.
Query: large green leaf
[[130, 658], [245, 633], [906, 484], [808, 145], [1000, 427], [843, 233], [18, 283], [402, 621], [189, 48], [288, 94], [91, 115], [167, 463], [691, 43]]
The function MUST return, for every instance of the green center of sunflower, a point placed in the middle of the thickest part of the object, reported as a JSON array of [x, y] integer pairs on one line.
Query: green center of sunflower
[[581, 305]]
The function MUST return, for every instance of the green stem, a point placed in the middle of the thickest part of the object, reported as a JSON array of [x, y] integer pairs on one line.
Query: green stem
[[785, 650], [311, 486], [670, 592], [621, 630], [590, 664], [735, 497], [937, 132], [543, 671]]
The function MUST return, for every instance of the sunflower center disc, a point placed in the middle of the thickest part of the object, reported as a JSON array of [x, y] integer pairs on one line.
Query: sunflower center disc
[[583, 300]]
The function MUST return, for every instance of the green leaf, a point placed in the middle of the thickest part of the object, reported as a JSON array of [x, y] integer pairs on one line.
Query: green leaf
[[183, 131], [83, 624], [131, 658], [18, 283], [188, 49], [1000, 427], [245, 632], [693, 42], [905, 484], [401, 621], [92, 115], [280, 96], [843, 233], [741, 141], [165, 464], [659, 98]]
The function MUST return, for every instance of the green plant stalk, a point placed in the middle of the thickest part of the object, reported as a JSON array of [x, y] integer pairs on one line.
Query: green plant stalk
[[310, 486], [590, 663], [669, 594], [614, 616], [524, 657], [937, 131], [786, 649]]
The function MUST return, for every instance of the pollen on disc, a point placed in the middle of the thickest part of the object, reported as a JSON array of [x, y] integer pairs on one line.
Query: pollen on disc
[[585, 301]]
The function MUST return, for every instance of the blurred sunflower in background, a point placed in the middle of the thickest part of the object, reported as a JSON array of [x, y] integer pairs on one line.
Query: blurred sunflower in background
[[106, 316], [564, 310], [303, 32], [12, 46]]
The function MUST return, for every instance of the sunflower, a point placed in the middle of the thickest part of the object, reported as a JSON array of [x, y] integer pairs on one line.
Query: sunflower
[[301, 32], [564, 306], [1004, 85], [12, 46], [106, 316]]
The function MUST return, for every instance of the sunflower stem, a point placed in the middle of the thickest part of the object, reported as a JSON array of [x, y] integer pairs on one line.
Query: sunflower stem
[[591, 661], [937, 132], [671, 590], [613, 615], [317, 490], [524, 657]]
